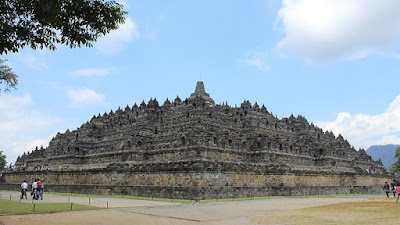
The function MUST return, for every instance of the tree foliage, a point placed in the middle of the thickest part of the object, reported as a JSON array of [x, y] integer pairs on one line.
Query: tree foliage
[[395, 168], [7, 77], [3, 161], [44, 23]]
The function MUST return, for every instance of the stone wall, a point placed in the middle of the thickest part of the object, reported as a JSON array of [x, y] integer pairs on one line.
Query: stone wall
[[198, 185], [199, 192]]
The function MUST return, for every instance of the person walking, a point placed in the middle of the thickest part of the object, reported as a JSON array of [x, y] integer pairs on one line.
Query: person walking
[[41, 193], [39, 189], [34, 189], [24, 187], [398, 192], [393, 189], [386, 187]]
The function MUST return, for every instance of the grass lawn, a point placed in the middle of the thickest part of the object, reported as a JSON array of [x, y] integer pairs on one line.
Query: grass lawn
[[7, 207], [374, 211], [121, 196], [172, 200], [270, 197], [189, 201]]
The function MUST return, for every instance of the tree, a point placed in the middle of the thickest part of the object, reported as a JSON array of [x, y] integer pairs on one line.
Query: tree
[[9, 78], [45, 23], [3, 161], [395, 168]]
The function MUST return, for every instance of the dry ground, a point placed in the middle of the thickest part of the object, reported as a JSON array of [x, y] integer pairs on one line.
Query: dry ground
[[333, 210], [373, 211]]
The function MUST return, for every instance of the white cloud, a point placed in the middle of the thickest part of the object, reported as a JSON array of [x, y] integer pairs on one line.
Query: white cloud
[[29, 58], [258, 61], [321, 31], [89, 72], [364, 130], [85, 96], [117, 39], [21, 126]]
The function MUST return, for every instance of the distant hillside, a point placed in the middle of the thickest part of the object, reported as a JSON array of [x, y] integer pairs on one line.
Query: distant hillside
[[384, 152]]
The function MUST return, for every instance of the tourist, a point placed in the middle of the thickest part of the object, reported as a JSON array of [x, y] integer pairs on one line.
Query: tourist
[[41, 193], [39, 189], [24, 187], [34, 189], [386, 187], [398, 192], [393, 188]]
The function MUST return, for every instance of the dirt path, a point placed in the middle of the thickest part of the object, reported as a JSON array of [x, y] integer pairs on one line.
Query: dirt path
[[126, 211]]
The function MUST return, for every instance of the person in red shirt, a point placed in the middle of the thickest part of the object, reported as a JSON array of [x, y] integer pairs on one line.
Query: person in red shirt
[[40, 188]]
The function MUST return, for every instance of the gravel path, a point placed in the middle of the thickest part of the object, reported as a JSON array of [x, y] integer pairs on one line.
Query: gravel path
[[130, 211]]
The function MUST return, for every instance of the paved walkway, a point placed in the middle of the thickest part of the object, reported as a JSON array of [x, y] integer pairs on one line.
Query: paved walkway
[[130, 211]]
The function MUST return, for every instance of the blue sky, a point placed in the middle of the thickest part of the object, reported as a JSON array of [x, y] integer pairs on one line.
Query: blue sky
[[334, 62]]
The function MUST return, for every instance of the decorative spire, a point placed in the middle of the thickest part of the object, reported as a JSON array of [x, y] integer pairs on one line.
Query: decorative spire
[[263, 109], [142, 105], [201, 92], [177, 99]]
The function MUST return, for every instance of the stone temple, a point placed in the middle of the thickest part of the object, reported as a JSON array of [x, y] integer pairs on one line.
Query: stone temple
[[194, 148]]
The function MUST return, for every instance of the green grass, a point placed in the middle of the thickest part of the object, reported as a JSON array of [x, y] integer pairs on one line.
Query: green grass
[[202, 201], [270, 197], [7, 191], [13, 207], [121, 196]]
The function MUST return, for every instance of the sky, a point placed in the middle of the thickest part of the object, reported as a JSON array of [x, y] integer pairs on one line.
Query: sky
[[336, 62]]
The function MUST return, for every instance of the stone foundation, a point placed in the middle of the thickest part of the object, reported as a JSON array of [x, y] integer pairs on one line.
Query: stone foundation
[[212, 192], [202, 185]]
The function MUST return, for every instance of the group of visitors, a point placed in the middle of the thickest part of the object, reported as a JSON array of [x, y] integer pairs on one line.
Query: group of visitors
[[9, 168], [371, 170], [24, 167], [392, 188], [37, 189]]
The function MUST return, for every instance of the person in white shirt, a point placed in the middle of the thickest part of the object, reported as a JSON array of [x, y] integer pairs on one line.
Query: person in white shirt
[[34, 187], [24, 186]]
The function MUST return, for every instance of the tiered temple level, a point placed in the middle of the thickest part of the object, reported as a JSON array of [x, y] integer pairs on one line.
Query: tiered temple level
[[197, 135]]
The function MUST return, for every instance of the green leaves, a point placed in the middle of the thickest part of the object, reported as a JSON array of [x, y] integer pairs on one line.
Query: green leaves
[[3, 161], [44, 23], [7, 77], [395, 168]]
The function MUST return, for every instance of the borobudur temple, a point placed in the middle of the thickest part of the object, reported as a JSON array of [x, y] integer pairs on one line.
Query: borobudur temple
[[194, 148]]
